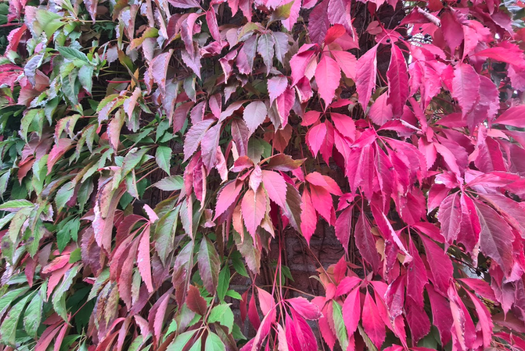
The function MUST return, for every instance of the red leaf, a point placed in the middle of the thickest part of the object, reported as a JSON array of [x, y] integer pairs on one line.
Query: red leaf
[[159, 68], [366, 71], [352, 311], [496, 237], [343, 227], [441, 315], [143, 259], [417, 319], [275, 186], [58, 150], [484, 319], [195, 301], [365, 242], [305, 308], [372, 322], [441, 268], [253, 315], [465, 87], [253, 209], [450, 217], [266, 301], [397, 81], [416, 276]]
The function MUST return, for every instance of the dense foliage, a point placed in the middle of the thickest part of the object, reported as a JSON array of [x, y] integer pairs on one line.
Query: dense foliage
[[155, 151]]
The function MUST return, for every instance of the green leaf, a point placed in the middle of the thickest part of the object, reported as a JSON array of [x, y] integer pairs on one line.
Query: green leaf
[[75, 256], [69, 231], [59, 296], [340, 329], [33, 315], [214, 343], [85, 76], [71, 54], [209, 265], [9, 297], [234, 294], [181, 341], [64, 194], [15, 205], [47, 22], [197, 345], [132, 160], [8, 328], [165, 230], [172, 183], [223, 315], [99, 282], [224, 283], [163, 157], [238, 264]]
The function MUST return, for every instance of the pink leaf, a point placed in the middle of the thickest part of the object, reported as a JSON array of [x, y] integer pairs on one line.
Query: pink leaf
[[254, 114], [380, 111], [253, 209], [266, 301], [372, 322], [324, 181], [276, 86], [323, 203], [366, 71], [194, 137], [327, 76], [513, 117], [143, 259], [346, 62], [352, 311], [315, 138], [275, 186], [308, 217], [496, 237], [227, 197], [305, 308], [299, 334]]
